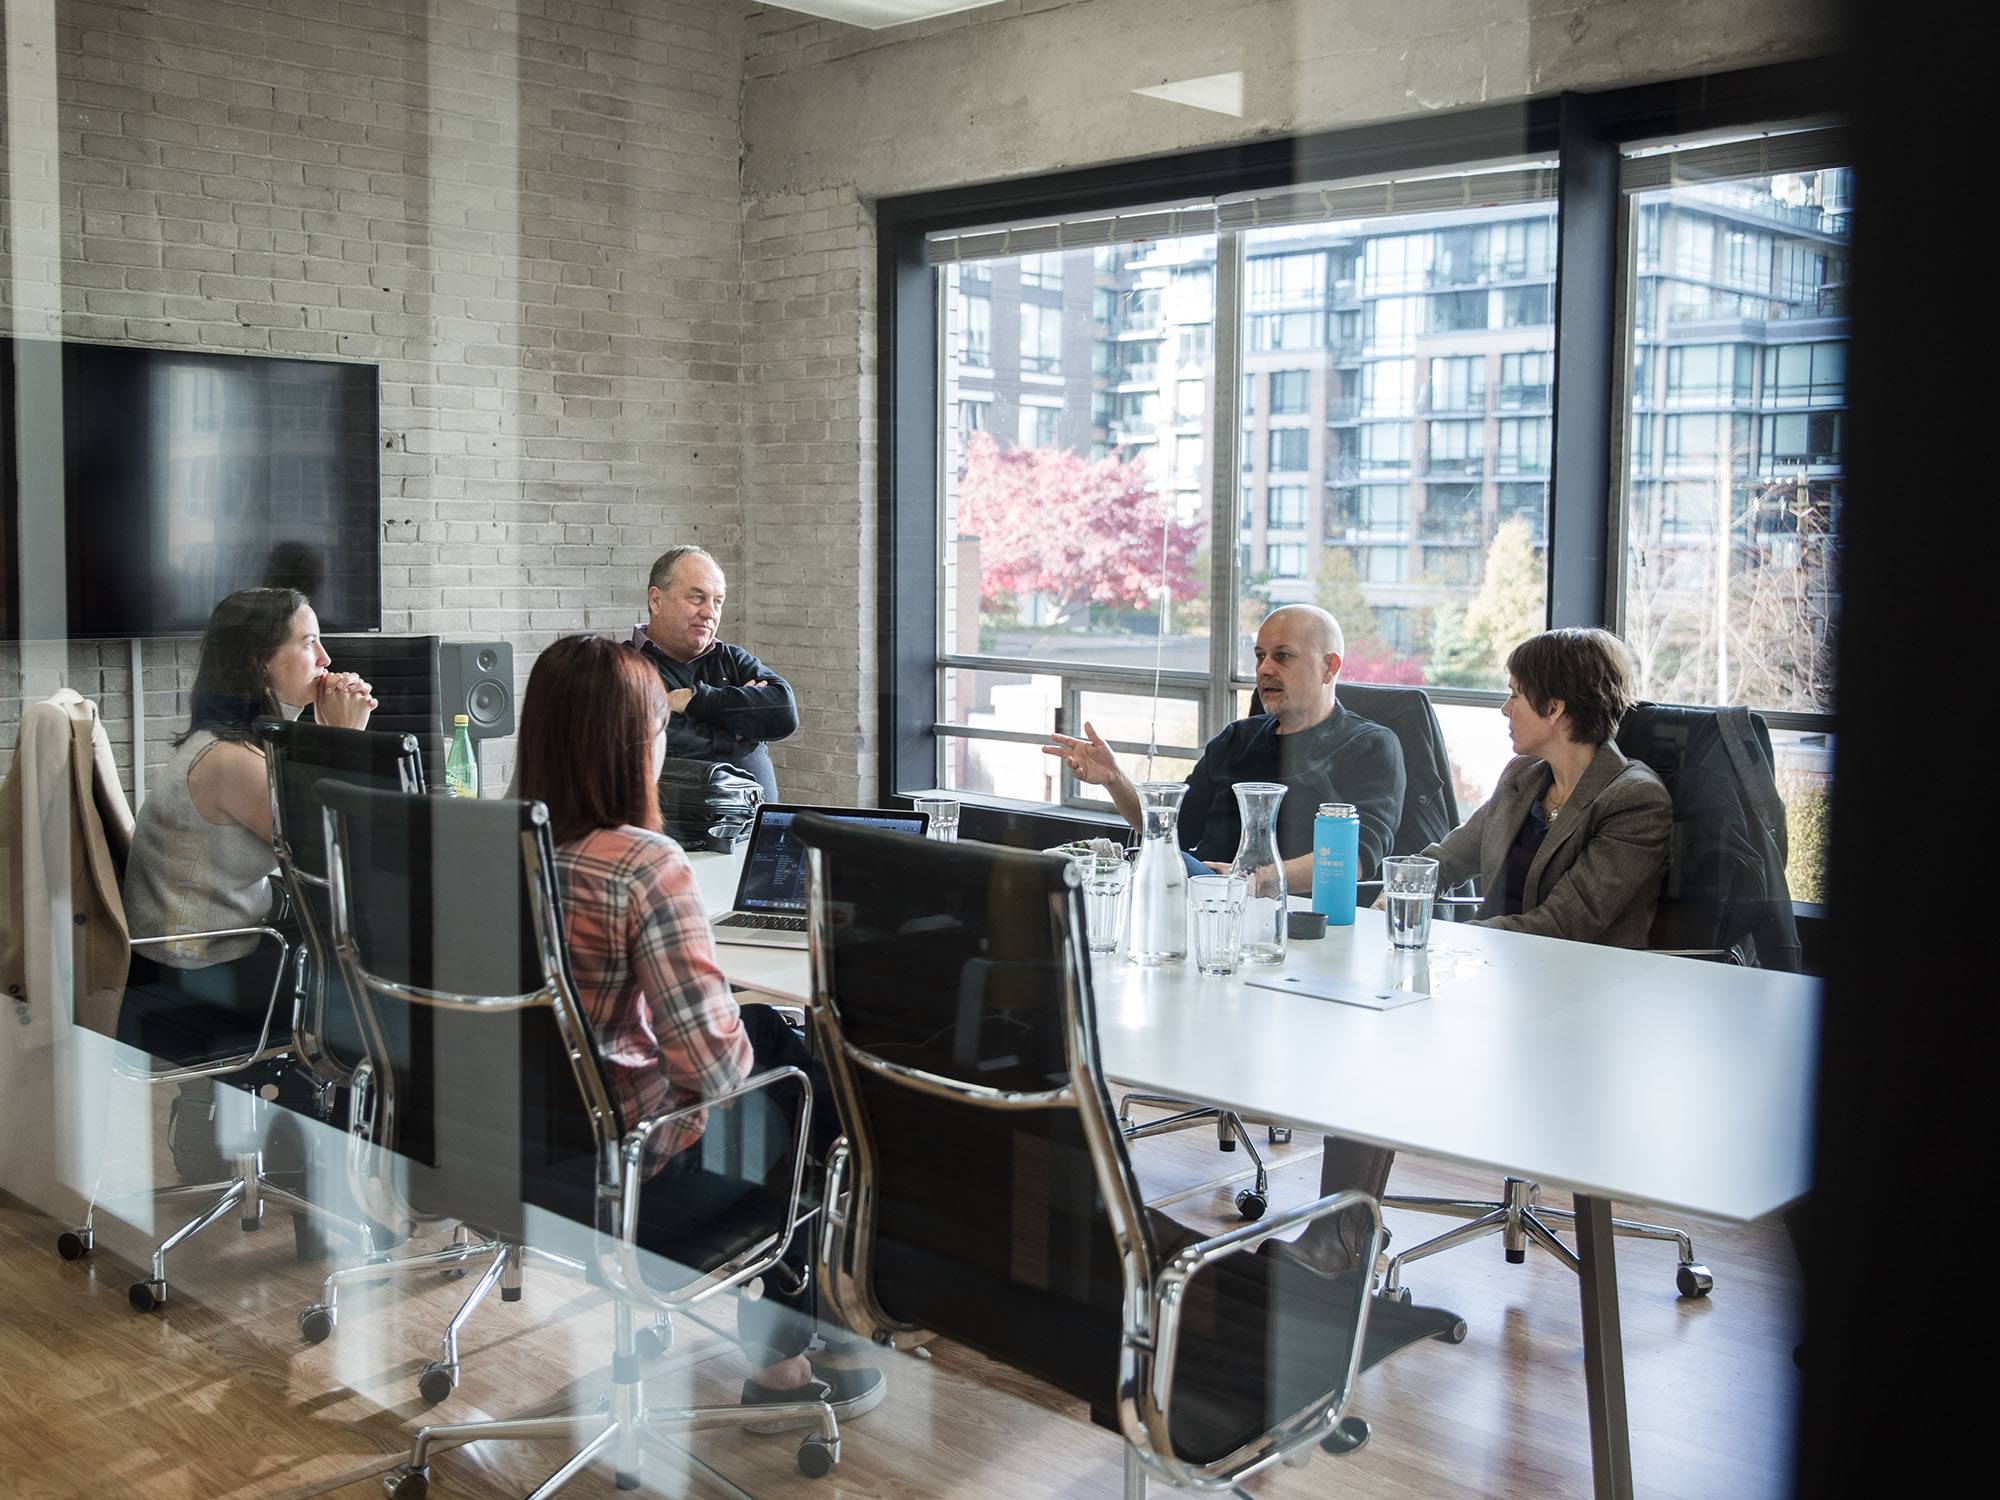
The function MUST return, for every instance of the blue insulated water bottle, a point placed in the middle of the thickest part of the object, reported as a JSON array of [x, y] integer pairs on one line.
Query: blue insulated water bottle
[[1336, 856]]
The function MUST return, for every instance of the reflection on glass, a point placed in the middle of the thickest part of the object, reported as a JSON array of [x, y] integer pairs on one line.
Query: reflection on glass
[[1735, 434], [1425, 525]]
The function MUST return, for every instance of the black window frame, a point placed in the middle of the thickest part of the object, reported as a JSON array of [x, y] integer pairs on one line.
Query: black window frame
[[1585, 132]]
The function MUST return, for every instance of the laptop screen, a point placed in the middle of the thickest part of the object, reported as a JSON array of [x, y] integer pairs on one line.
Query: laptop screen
[[774, 872]]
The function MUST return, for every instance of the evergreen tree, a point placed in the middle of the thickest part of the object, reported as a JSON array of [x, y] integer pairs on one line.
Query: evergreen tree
[[1337, 590], [1469, 648]]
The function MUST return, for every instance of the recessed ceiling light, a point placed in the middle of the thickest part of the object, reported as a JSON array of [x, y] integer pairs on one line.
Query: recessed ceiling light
[[875, 14]]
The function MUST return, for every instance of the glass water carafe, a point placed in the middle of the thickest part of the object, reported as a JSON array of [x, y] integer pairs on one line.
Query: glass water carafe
[[1156, 932], [1258, 862]]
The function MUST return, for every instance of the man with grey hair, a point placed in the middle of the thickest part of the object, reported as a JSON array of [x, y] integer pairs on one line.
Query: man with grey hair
[[725, 704], [1302, 737]]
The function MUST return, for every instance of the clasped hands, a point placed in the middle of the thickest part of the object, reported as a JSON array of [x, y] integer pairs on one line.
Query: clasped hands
[[342, 700]]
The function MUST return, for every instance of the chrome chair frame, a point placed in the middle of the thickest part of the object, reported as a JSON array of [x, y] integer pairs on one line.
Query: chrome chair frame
[[628, 1426], [1152, 1302], [249, 1189], [1520, 1216]]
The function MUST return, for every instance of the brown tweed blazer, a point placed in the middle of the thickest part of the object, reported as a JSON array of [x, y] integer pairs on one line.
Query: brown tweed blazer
[[1596, 878]]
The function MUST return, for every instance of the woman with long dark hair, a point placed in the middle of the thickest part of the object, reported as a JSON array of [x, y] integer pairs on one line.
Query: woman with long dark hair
[[592, 739], [201, 849]]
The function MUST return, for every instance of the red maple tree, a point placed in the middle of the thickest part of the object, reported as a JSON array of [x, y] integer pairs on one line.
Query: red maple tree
[[1080, 531]]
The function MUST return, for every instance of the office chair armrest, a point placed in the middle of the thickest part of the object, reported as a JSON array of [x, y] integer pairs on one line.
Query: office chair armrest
[[1185, 1262], [263, 1049], [618, 1255], [1307, 1424]]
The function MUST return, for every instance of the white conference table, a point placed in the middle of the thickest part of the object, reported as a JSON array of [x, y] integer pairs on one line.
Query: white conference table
[[1618, 1075]]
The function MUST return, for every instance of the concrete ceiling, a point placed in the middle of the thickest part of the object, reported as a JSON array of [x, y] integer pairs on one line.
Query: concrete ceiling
[[875, 14]]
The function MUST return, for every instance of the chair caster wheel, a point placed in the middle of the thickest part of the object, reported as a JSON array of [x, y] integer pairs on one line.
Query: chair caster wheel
[[1251, 1204], [1278, 1135], [1227, 1143], [406, 1483], [1694, 1280], [315, 1323], [648, 1343], [1454, 1334], [146, 1295], [1349, 1434], [74, 1244], [435, 1383], [817, 1457]]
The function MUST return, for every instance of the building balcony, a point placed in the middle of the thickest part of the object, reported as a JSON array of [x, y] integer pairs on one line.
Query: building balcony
[[1455, 468], [1523, 398], [1472, 404]]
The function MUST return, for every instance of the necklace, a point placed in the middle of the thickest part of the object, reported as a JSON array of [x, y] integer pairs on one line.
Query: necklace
[[1552, 805]]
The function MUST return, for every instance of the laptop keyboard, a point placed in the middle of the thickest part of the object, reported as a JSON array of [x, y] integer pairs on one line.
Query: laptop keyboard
[[762, 922]]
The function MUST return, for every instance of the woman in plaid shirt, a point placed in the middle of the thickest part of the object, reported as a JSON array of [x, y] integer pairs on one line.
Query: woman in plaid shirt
[[669, 1034]]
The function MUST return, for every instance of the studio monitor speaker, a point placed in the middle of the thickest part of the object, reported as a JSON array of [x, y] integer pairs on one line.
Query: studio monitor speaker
[[403, 670], [477, 680]]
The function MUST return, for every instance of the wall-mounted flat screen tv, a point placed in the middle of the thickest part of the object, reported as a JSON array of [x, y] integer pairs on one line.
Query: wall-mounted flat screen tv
[[185, 476]]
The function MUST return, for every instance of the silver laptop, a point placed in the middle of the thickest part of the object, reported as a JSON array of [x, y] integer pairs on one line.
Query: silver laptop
[[770, 906]]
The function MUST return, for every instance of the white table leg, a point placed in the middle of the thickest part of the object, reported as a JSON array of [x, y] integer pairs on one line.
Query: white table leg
[[1603, 1351]]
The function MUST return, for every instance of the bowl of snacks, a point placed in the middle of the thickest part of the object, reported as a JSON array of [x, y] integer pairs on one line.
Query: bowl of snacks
[[1090, 854]]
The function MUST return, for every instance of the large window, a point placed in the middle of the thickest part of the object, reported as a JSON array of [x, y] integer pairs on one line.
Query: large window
[[1078, 555], [1405, 414], [1727, 592], [1397, 416]]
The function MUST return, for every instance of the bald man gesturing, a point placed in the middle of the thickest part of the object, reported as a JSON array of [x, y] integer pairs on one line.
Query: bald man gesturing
[[1303, 738]]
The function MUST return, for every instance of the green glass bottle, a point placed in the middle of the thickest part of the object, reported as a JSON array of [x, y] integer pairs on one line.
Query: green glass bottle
[[461, 766]]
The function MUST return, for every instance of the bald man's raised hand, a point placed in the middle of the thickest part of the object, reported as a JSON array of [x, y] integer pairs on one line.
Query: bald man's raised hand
[[1089, 760]]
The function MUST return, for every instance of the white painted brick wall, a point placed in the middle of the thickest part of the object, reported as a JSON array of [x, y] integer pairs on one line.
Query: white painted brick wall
[[525, 211]]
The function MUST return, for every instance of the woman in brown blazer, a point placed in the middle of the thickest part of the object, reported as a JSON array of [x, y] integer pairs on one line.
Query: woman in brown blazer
[[1573, 841], [1572, 844]]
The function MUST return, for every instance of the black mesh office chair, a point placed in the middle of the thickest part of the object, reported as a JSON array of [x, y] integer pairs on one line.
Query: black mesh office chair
[[983, 1191], [1430, 811], [298, 758], [1723, 898], [482, 1100]]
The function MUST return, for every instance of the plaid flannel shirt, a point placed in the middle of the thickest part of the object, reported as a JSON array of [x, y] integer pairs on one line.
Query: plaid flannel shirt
[[667, 1028]]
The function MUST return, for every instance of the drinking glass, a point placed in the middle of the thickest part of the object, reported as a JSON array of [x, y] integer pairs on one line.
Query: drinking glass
[[1409, 881], [1215, 904], [1105, 880], [943, 825]]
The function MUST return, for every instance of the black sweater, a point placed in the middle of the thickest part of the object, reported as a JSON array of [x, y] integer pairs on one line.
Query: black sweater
[[1343, 758], [725, 721]]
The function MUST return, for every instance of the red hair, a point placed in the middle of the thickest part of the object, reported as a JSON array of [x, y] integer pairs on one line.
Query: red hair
[[588, 720]]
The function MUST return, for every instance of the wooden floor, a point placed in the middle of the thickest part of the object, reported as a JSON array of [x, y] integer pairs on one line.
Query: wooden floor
[[216, 1395]]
